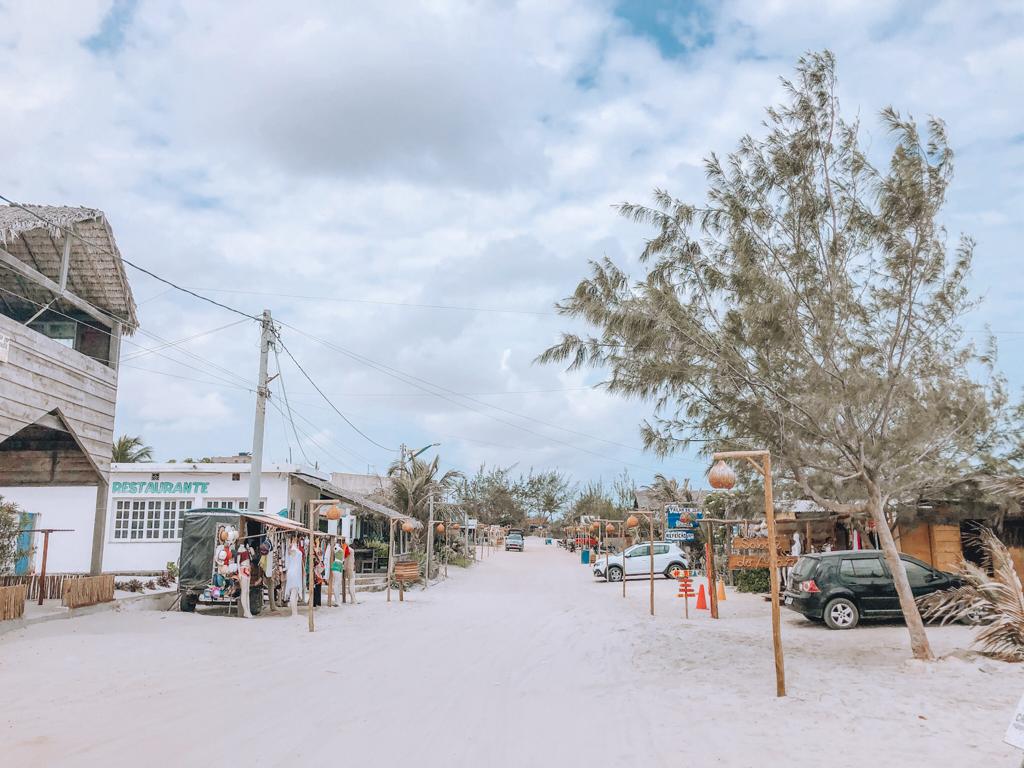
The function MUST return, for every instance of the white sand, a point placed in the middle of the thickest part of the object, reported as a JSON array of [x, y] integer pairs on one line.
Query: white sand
[[524, 660]]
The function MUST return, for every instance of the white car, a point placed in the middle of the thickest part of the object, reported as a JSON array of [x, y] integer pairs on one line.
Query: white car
[[667, 558]]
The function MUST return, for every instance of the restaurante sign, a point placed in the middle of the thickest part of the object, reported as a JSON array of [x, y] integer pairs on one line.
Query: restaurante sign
[[146, 488]]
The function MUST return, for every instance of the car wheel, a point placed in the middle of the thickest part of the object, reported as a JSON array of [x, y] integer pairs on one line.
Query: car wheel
[[674, 567], [614, 573], [841, 614]]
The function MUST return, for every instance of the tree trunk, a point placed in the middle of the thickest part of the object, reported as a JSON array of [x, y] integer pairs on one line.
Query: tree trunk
[[915, 626]]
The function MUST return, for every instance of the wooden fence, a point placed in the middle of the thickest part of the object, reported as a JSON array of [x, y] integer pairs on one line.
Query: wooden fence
[[88, 590], [53, 588], [12, 601]]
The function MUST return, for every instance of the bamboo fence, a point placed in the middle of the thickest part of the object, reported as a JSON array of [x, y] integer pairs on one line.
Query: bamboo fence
[[12, 601], [88, 590], [52, 589]]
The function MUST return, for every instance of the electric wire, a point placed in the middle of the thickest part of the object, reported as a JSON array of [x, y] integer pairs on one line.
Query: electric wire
[[288, 408], [69, 232], [327, 399]]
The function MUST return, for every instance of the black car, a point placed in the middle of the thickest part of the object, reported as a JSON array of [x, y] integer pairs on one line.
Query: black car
[[841, 588]]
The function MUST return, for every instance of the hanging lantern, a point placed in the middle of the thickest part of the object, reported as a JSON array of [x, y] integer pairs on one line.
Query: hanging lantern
[[722, 476], [595, 526], [440, 528], [455, 526], [408, 527], [609, 528], [632, 522], [333, 512]]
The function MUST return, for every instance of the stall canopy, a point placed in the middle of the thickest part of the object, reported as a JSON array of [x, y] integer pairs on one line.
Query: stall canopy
[[358, 499]]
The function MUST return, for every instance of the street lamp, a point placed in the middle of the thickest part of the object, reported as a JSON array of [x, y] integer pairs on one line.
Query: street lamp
[[723, 477]]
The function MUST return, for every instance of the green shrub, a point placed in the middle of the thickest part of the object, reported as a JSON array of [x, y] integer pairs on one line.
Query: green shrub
[[172, 570], [753, 580]]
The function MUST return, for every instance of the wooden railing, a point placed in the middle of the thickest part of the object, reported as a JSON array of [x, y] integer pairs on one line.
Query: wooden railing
[[12, 601], [88, 590]]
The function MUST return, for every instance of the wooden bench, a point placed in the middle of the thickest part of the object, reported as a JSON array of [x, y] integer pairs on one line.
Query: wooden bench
[[405, 573]]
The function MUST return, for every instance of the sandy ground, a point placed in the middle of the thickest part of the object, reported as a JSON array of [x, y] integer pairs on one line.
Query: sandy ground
[[524, 660]]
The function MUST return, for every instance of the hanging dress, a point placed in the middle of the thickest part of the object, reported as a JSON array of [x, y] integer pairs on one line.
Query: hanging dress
[[293, 572]]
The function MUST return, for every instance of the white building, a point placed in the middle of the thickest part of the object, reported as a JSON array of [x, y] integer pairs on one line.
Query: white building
[[147, 502]]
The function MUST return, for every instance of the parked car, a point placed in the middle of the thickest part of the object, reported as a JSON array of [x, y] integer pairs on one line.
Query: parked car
[[514, 541], [841, 588], [636, 561]]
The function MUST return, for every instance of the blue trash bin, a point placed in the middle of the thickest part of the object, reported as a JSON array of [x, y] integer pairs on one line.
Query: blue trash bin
[[585, 557]]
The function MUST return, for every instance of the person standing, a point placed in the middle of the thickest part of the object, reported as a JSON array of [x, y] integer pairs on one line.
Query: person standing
[[349, 558], [337, 571]]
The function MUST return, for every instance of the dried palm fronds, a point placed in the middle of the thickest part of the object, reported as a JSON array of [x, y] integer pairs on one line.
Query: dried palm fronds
[[991, 595]]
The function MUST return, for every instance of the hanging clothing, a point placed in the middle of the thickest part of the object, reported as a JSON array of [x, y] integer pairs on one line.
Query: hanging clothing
[[293, 572]]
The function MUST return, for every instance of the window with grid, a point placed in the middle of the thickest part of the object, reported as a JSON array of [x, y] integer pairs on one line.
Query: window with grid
[[122, 516], [244, 504], [154, 511]]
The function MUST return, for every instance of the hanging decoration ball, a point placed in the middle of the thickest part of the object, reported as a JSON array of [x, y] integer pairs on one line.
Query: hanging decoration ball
[[609, 528], [594, 526], [440, 528], [408, 527], [455, 526], [722, 476], [333, 512], [632, 522]]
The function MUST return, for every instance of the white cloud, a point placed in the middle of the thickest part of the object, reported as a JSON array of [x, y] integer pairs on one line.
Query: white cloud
[[450, 154]]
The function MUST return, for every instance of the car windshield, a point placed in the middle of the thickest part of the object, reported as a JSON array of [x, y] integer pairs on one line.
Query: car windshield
[[515, 537]]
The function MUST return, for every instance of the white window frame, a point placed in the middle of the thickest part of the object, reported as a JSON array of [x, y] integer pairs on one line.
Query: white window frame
[[149, 519], [233, 503]]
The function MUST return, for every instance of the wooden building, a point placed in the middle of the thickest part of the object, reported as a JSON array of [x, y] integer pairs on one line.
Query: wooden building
[[65, 302]]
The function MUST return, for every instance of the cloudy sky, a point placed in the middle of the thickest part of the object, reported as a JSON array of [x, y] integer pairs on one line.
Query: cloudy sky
[[417, 184]]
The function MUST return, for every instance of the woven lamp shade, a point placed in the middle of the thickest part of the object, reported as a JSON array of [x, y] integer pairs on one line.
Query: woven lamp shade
[[440, 528], [609, 528], [722, 476], [333, 512], [632, 522], [408, 527]]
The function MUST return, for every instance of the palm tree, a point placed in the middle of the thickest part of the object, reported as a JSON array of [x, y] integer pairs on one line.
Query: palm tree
[[995, 600], [667, 490], [413, 481], [130, 450]]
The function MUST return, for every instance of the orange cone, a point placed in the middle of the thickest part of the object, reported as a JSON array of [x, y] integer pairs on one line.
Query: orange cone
[[702, 599], [721, 591]]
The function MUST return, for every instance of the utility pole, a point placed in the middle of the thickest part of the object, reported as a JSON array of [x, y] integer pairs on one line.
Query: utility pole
[[262, 393]]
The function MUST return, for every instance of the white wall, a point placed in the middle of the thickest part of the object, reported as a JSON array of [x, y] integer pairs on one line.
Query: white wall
[[60, 507]]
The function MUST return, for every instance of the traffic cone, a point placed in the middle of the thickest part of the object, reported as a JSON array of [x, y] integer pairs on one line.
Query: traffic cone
[[702, 599], [721, 591]]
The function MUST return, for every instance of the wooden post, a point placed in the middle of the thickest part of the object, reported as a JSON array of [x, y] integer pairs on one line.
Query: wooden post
[[430, 541], [651, 553], [329, 573], [391, 554], [712, 585], [42, 570], [311, 560], [773, 564], [623, 559]]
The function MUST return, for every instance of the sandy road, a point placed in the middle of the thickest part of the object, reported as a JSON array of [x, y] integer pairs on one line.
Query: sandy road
[[524, 660]]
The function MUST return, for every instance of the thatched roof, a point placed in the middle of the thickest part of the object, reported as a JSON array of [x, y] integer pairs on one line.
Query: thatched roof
[[368, 504], [96, 273]]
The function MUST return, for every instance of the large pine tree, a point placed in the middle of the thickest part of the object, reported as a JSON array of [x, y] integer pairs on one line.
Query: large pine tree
[[811, 305]]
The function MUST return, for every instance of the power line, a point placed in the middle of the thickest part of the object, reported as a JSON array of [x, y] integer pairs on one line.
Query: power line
[[394, 373], [411, 305], [284, 392], [68, 232], [326, 398], [144, 352]]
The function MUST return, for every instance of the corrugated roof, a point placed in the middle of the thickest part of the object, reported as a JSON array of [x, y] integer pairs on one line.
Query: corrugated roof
[[96, 273], [355, 498]]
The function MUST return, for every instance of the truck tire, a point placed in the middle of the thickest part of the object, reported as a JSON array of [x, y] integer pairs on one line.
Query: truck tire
[[188, 602]]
